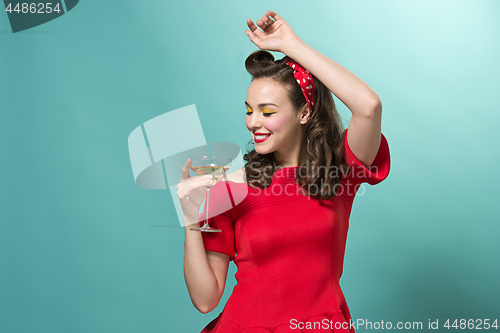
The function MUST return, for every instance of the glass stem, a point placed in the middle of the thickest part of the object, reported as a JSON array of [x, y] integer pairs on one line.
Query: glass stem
[[206, 210]]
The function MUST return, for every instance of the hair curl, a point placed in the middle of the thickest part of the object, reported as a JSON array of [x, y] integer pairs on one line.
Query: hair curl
[[324, 132]]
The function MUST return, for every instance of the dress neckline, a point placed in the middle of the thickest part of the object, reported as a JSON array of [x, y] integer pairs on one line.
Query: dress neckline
[[280, 175], [289, 172]]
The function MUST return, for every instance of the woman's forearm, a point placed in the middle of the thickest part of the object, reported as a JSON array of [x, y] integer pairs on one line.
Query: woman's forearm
[[200, 279], [350, 89]]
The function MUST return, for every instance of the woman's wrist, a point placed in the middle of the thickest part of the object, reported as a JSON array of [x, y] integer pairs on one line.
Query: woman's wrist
[[190, 221], [293, 47]]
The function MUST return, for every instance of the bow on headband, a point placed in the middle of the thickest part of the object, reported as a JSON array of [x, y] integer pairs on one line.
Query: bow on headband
[[304, 79]]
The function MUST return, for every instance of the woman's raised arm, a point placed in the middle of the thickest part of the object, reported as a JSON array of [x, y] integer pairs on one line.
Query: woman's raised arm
[[365, 126]]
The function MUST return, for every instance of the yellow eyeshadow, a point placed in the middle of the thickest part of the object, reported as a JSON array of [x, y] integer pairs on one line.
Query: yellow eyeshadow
[[264, 110]]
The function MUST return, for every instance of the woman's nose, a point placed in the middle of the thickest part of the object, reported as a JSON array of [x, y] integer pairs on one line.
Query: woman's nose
[[254, 121]]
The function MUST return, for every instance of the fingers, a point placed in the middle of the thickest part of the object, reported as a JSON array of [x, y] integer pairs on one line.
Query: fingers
[[262, 23], [266, 22], [253, 33], [252, 26], [273, 14], [184, 188], [185, 170], [253, 38]]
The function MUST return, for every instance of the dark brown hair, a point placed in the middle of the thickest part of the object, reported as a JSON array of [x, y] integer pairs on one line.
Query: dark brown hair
[[324, 159]]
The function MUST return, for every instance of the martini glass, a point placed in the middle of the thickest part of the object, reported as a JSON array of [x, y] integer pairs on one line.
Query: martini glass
[[216, 166]]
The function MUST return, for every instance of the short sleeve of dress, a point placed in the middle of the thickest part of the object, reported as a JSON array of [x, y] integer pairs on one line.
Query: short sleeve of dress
[[377, 172], [219, 217]]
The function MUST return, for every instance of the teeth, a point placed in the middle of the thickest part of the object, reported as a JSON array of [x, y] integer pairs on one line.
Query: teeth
[[261, 136]]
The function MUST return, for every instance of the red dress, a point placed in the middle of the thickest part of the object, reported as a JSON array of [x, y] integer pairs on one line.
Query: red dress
[[290, 251]]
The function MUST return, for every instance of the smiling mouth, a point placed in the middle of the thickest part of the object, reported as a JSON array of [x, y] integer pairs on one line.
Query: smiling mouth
[[261, 138]]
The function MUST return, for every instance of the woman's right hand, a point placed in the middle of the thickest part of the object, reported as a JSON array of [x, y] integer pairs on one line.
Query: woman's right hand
[[191, 191], [275, 35]]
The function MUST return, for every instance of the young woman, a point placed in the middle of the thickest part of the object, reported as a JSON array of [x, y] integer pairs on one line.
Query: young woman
[[289, 229]]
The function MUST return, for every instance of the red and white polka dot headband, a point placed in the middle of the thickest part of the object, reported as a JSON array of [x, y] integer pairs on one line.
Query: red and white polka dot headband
[[304, 79]]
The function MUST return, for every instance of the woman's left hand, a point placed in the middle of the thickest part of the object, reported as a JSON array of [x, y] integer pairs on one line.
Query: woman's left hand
[[275, 34]]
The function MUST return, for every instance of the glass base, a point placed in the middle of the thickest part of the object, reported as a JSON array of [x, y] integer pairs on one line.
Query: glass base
[[205, 229]]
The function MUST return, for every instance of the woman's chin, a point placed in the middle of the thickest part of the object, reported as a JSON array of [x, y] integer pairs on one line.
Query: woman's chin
[[263, 151]]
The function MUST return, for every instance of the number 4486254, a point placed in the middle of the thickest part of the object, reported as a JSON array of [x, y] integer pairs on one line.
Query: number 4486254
[[471, 324], [38, 8]]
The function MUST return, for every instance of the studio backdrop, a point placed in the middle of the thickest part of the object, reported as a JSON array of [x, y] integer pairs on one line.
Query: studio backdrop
[[85, 248]]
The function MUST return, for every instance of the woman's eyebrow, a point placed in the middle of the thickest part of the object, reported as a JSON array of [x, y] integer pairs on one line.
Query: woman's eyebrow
[[260, 105]]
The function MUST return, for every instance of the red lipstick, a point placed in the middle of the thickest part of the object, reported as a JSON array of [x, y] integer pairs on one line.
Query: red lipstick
[[262, 139]]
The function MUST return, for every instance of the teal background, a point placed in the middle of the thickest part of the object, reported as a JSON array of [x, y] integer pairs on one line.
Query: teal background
[[78, 252]]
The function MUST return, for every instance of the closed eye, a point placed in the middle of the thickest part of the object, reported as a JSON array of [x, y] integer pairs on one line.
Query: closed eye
[[266, 113]]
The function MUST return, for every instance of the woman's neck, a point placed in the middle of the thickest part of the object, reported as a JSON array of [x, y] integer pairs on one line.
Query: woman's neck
[[289, 162]]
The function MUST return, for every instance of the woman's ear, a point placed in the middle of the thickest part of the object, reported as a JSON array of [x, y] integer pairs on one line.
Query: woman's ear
[[305, 114]]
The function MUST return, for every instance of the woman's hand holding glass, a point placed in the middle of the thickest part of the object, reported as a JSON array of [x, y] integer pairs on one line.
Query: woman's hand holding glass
[[191, 192]]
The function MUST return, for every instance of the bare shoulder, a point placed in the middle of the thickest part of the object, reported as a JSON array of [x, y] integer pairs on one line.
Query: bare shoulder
[[237, 176]]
